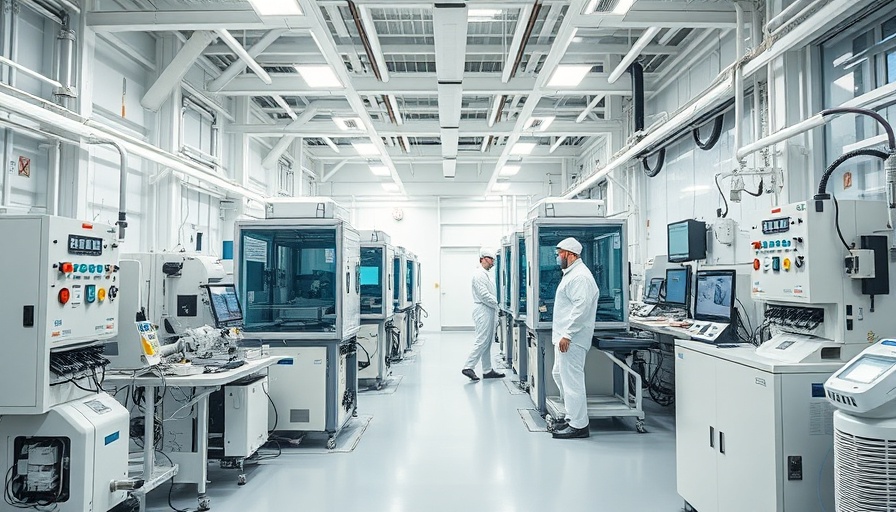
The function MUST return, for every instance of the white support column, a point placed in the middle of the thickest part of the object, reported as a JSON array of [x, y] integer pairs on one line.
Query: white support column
[[270, 161], [171, 77]]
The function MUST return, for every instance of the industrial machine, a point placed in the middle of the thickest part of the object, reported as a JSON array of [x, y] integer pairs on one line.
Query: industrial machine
[[376, 332], [822, 270], [419, 312], [517, 306], [63, 441], [502, 331], [298, 275], [177, 292], [613, 388], [411, 291], [400, 305], [864, 429]]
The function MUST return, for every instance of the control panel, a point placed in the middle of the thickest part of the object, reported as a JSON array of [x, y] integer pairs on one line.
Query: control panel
[[61, 283], [797, 252]]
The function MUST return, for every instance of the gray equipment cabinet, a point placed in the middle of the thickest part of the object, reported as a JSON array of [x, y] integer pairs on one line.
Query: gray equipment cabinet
[[298, 276], [376, 335]]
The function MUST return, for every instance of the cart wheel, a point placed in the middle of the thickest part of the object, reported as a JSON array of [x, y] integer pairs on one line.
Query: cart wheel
[[640, 428], [205, 503], [331, 443], [241, 480]]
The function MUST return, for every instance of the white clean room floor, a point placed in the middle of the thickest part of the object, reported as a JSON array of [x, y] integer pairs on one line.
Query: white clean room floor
[[441, 443]]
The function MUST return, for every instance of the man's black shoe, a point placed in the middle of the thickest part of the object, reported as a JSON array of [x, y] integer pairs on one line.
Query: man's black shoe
[[470, 373], [572, 433], [493, 375], [559, 425]]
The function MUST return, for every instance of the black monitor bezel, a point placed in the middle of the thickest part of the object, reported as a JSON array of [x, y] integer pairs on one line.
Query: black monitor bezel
[[687, 290], [659, 290], [715, 318], [696, 241], [226, 323]]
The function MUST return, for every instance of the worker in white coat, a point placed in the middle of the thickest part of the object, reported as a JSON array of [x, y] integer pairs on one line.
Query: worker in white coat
[[575, 307], [485, 316]]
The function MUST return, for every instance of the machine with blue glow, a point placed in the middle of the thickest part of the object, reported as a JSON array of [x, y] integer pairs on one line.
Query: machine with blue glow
[[375, 336]]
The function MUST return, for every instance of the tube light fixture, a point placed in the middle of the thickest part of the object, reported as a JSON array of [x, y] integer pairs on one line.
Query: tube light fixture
[[276, 7], [318, 76], [522, 148], [569, 75], [366, 148], [380, 170]]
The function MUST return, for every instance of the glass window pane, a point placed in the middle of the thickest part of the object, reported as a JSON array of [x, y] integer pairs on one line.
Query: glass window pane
[[601, 253], [891, 67], [288, 280], [372, 281], [889, 28], [505, 280], [396, 283], [409, 282]]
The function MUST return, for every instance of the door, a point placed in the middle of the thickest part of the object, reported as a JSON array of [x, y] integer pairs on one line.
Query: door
[[458, 264], [696, 433], [747, 399]]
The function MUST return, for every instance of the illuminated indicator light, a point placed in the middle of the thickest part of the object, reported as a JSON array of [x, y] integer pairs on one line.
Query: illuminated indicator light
[[87, 225], [776, 210], [101, 294], [66, 268], [64, 296], [786, 264], [756, 264]]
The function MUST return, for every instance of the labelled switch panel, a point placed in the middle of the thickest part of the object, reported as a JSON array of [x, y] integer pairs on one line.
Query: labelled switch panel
[[794, 467]]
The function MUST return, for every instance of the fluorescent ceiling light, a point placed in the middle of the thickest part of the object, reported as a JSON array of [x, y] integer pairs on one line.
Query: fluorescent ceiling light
[[380, 170], [510, 170], [474, 15], [500, 186], [523, 148], [276, 7], [390, 187], [568, 75], [539, 123], [319, 76], [366, 148], [348, 123], [623, 6]]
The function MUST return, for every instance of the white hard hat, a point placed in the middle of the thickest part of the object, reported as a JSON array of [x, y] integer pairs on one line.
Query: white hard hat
[[485, 252], [570, 244]]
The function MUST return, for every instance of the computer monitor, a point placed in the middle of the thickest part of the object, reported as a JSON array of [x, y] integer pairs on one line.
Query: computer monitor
[[715, 296], [225, 305], [652, 296], [678, 287], [370, 276], [686, 241]]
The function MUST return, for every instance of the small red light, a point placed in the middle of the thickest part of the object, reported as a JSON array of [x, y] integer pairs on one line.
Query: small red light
[[756, 264], [776, 210], [87, 225], [64, 296], [66, 268]]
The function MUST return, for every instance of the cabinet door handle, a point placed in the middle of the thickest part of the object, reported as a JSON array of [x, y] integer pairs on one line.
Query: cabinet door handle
[[712, 437], [721, 442]]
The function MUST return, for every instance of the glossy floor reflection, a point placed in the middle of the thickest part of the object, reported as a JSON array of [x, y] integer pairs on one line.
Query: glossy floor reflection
[[441, 443]]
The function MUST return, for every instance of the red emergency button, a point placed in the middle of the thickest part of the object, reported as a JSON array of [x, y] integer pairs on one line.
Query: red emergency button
[[757, 245], [756, 264], [66, 267], [64, 296]]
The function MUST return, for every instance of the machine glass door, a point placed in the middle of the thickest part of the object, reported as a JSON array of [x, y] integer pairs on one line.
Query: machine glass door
[[602, 253], [288, 279], [521, 256], [372, 280], [409, 281]]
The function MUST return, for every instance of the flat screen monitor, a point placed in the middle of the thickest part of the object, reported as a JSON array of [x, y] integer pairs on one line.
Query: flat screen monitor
[[370, 276], [686, 241], [225, 305], [714, 301], [678, 287], [652, 296]]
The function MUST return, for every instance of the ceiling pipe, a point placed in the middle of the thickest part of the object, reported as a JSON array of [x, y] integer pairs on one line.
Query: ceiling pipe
[[520, 45], [790, 13], [122, 222], [633, 54], [381, 75]]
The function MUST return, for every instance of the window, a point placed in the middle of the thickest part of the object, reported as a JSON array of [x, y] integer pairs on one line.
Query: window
[[855, 63], [287, 181]]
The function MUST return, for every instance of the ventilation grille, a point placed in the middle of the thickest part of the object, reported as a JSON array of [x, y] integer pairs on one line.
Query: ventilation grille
[[842, 399], [605, 5], [352, 124], [299, 415], [864, 473]]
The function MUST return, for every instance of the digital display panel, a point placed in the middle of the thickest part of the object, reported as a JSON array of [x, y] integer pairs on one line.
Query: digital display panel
[[85, 245], [867, 369], [772, 226]]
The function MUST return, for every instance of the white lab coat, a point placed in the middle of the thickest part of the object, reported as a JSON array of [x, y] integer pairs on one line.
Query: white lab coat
[[575, 307], [485, 312]]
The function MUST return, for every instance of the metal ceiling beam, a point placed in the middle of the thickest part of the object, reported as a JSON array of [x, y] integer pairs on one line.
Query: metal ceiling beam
[[243, 55], [324, 38], [432, 154], [177, 20], [236, 68], [428, 128], [516, 44], [175, 71], [646, 14], [421, 85], [374, 39], [565, 33]]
